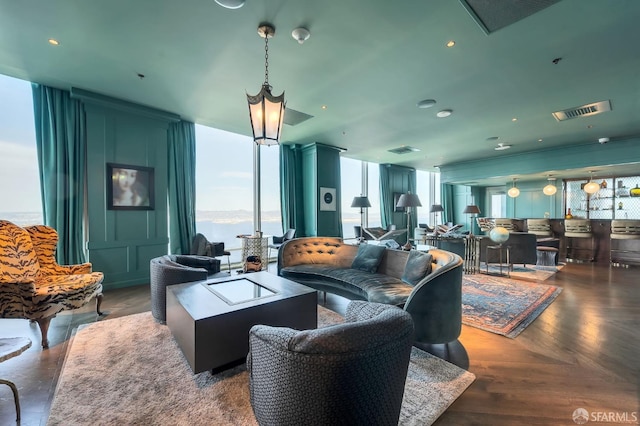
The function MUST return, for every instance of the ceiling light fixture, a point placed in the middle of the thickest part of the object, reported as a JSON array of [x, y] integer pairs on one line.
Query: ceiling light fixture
[[265, 110], [502, 147], [550, 188], [53, 42], [513, 192], [300, 34], [231, 4], [444, 113], [591, 187], [426, 103], [451, 43]]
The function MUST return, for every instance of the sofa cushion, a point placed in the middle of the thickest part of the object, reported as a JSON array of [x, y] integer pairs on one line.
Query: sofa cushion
[[417, 267], [372, 287], [368, 257]]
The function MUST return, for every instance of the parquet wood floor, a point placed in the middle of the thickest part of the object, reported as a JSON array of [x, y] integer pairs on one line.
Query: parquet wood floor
[[582, 352]]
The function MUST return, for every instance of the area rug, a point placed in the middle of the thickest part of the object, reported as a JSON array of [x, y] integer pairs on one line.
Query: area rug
[[129, 371], [525, 272], [502, 305]]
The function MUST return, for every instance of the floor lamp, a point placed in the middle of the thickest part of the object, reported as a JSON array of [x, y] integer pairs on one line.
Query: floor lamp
[[407, 201], [436, 208], [471, 209], [363, 202]]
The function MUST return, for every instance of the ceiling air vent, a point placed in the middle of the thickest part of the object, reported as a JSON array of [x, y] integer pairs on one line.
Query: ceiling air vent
[[293, 117], [583, 111], [404, 150]]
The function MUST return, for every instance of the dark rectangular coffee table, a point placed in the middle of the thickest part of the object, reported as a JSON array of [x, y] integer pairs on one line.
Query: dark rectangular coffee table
[[210, 319]]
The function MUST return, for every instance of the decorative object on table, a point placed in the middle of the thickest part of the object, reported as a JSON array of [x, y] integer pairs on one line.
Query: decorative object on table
[[133, 380], [622, 191], [408, 201], [499, 235], [550, 188], [591, 187], [503, 306], [513, 192], [436, 208], [361, 202], [11, 347], [130, 187], [327, 199], [252, 264], [266, 113], [471, 209], [569, 215]]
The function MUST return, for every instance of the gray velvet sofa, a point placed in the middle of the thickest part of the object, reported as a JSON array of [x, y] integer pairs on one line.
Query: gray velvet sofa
[[522, 249], [434, 299]]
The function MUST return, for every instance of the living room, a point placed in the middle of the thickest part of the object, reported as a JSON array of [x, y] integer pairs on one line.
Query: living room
[[127, 119]]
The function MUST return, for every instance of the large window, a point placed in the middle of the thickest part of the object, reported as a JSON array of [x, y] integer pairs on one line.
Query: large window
[[224, 187], [428, 190], [20, 190]]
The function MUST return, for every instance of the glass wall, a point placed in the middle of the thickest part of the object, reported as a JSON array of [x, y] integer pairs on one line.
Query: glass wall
[[20, 189], [224, 187]]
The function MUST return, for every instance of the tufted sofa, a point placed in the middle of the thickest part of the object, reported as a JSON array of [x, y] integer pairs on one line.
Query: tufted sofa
[[33, 285], [434, 301]]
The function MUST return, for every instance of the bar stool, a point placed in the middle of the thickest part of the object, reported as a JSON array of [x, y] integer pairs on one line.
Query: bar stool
[[539, 227], [625, 242], [578, 229]]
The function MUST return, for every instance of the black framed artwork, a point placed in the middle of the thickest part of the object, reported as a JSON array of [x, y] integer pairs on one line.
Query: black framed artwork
[[130, 187], [396, 198]]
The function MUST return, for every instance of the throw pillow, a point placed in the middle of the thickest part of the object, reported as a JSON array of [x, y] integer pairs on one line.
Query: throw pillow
[[368, 257], [417, 267]]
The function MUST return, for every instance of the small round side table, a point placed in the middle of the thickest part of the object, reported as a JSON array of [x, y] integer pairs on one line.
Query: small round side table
[[10, 347]]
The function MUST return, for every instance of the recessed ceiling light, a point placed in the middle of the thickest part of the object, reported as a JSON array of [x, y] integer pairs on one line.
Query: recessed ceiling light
[[53, 42], [502, 147], [426, 103], [323, 107], [451, 43], [231, 4], [540, 140], [444, 113], [514, 119]]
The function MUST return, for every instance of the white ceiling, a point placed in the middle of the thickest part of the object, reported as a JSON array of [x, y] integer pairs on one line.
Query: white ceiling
[[368, 61]]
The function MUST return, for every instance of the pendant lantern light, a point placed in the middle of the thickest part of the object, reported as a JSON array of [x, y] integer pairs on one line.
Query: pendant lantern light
[[550, 189], [513, 192], [591, 187]]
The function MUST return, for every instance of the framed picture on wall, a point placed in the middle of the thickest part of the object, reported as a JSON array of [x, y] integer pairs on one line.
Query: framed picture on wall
[[327, 199], [396, 197], [129, 187]]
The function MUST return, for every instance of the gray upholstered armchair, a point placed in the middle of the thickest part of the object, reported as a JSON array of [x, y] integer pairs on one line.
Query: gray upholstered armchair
[[351, 373]]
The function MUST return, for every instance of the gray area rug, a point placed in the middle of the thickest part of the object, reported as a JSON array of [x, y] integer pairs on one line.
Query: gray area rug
[[130, 371]]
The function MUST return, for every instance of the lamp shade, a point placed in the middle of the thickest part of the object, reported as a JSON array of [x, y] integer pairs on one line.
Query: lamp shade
[[471, 209], [591, 187], [409, 200], [550, 189], [361, 202], [267, 114], [513, 192], [435, 208]]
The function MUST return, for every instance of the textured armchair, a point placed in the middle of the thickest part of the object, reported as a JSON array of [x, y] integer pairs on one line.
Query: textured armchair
[[33, 285], [351, 373]]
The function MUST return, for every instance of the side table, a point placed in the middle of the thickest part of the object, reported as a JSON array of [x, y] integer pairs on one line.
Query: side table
[[9, 348], [255, 246], [500, 248]]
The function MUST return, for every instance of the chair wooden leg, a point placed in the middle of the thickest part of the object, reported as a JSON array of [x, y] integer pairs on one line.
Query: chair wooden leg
[[43, 323], [99, 303]]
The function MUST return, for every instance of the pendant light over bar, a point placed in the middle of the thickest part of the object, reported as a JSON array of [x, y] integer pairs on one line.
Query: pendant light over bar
[[265, 110]]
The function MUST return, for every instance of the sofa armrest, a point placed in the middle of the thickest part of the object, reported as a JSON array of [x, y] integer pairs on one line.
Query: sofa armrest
[[359, 310]]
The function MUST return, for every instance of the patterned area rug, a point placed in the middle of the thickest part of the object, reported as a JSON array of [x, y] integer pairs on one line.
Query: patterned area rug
[[525, 272], [130, 371], [502, 305]]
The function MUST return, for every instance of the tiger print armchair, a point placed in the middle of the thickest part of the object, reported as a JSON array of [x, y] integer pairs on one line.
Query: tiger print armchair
[[33, 285]]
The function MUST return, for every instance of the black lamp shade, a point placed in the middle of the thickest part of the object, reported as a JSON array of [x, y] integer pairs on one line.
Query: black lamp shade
[[471, 209], [435, 208], [361, 202], [409, 200]]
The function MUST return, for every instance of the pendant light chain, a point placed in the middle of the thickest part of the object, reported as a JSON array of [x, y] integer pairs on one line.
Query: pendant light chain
[[266, 60]]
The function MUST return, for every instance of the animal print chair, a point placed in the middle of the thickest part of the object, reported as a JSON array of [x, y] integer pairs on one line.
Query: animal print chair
[[33, 285]]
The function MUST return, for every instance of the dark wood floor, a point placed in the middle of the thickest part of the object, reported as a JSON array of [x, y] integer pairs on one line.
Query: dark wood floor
[[582, 352]]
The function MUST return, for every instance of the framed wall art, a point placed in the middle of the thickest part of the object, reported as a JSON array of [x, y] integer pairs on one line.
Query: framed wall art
[[129, 187]]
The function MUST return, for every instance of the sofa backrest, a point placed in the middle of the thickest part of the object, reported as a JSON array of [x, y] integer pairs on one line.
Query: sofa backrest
[[333, 251]]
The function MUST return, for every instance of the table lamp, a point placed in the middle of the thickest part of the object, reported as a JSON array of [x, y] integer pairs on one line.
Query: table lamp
[[407, 201], [436, 208], [363, 202]]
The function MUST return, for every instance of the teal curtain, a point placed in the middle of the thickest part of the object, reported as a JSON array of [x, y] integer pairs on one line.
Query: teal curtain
[[291, 197], [446, 197], [181, 137], [386, 196], [61, 145]]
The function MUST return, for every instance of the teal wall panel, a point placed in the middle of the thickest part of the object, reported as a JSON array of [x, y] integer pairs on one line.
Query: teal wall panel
[[121, 243]]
